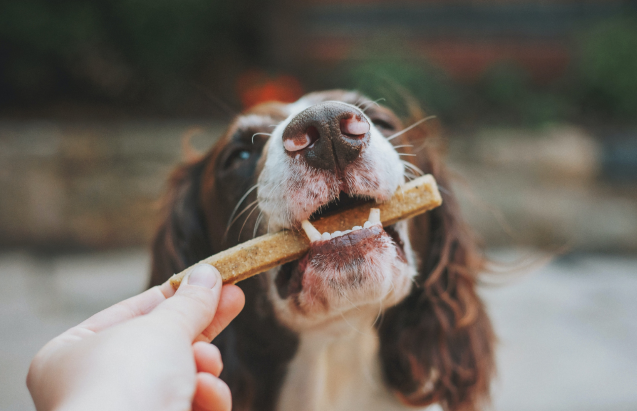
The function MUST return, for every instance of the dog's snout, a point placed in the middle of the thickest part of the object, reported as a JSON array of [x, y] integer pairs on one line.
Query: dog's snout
[[328, 135]]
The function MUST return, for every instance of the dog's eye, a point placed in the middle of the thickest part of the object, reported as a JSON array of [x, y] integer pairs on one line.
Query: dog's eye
[[237, 157]]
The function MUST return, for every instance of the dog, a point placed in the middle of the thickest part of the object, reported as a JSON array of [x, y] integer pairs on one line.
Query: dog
[[383, 319]]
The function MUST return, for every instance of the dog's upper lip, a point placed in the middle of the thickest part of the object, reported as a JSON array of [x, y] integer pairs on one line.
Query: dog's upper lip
[[342, 202]]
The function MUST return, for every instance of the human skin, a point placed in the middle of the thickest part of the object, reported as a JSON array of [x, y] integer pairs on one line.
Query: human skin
[[150, 352]]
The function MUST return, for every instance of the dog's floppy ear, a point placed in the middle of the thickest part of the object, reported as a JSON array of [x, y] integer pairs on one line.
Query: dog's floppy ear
[[436, 345], [181, 239]]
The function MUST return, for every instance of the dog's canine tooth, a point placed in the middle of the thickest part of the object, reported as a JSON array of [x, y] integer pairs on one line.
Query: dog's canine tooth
[[312, 233], [374, 216]]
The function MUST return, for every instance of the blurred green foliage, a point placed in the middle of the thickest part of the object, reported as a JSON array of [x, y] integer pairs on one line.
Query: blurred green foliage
[[507, 89], [397, 79], [602, 79], [49, 47], [607, 67], [150, 51]]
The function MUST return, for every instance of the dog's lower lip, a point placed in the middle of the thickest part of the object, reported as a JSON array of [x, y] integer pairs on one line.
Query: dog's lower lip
[[290, 276]]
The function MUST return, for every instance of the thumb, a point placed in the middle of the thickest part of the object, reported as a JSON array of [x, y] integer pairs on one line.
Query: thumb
[[194, 305]]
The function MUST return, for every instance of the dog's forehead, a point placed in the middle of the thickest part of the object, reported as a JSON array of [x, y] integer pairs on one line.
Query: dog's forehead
[[350, 97], [259, 121], [270, 114]]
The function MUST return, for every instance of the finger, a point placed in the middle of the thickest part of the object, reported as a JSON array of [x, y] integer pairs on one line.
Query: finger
[[125, 310], [230, 305], [207, 358], [193, 306], [167, 289], [211, 394]]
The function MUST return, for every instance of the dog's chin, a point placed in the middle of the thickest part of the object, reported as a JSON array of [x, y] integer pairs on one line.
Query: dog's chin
[[364, 268]]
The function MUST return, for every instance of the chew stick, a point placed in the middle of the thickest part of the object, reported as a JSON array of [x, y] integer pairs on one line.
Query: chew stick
[[271, 250]]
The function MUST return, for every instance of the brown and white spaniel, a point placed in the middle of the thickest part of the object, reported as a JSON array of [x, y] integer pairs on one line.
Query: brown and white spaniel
[[372, 319]]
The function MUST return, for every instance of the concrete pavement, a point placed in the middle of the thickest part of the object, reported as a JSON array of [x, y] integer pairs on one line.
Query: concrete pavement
[[568, 330]]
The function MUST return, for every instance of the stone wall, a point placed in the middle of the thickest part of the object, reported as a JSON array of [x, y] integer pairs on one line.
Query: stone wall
[[96, 186], [87, 185], [545, 188]]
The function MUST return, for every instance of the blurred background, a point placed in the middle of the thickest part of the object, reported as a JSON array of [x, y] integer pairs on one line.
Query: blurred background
[[536, 103]]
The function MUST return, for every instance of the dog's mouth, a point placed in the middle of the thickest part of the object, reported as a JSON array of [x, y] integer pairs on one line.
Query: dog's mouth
[[340, 258], [342, 202]]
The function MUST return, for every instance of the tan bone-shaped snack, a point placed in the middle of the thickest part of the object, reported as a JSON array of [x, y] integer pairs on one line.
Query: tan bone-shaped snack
[[271, 250]]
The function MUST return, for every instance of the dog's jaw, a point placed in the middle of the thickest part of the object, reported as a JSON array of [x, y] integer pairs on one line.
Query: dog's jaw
[[364, 288], [371, 275]]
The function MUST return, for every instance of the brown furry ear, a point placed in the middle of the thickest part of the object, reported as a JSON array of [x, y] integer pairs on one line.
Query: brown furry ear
[[181, 239], [437, 344]]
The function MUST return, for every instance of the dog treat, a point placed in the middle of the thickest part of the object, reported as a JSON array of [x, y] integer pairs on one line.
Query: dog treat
[[271, 250]]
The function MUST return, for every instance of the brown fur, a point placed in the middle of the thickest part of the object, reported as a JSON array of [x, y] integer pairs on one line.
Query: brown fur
[[442, 325]]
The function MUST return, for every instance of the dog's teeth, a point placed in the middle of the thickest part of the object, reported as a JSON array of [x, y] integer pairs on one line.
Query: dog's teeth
[[374, 216], [312, 233]]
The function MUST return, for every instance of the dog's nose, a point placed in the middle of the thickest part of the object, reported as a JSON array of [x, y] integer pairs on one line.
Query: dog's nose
[[327, 135]]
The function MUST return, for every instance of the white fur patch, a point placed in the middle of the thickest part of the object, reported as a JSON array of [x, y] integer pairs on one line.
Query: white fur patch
[[337, 365]]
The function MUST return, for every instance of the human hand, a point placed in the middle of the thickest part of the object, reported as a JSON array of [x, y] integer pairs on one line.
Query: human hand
[[150, 352]]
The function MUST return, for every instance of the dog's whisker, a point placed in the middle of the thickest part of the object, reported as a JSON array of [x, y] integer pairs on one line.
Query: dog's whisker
[[409, 176], [403, 145], [368, 105], [256, 225], [416, 124], [407, 154], [260, 134], [343, 294], [241, 200], [444, 190], [428, 141], [413, 168], [255, 202], [352, 326], [256, 205]]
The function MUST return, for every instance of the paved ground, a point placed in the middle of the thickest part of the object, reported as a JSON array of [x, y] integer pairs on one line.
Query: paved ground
[[568, 330]]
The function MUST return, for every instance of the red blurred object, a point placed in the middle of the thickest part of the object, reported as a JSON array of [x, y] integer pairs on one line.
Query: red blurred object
[[255, 87]]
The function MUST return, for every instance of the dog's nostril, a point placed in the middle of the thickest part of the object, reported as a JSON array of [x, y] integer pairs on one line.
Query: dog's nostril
[[354, 126], [313, 133], [299, 142]]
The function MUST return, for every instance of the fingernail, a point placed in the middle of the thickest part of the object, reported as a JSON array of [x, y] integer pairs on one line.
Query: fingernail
[[203, 275]]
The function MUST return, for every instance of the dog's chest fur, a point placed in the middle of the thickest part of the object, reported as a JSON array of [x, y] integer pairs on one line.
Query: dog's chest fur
[[337, 368]]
